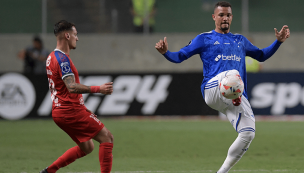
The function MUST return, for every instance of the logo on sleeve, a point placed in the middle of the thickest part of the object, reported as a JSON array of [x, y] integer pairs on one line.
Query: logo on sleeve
[[65, 67], [62, 57]]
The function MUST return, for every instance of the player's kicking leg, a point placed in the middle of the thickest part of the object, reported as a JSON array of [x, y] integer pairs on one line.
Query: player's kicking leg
[[241, 117]]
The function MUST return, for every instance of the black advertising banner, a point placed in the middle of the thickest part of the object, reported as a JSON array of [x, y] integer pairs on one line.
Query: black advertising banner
[[28, 96], [276, 93]]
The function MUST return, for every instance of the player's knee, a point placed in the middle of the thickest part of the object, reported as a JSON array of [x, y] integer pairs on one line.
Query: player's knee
[[247, 136], [104, 136], [111, 138], [87, 148]]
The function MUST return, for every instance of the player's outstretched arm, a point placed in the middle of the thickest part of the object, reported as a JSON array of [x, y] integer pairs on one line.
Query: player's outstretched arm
[[77, 88], [175, 57], [162, 46], [283, 34]]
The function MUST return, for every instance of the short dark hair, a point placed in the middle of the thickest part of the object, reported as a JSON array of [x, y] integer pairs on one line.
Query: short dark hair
[[62, 25], [37, 39], [222, 4]]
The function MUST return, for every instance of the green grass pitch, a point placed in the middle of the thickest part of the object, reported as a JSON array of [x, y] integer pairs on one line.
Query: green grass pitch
[[167, 146]]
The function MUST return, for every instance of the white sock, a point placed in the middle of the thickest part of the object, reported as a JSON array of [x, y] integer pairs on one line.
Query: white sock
[[237, 150]]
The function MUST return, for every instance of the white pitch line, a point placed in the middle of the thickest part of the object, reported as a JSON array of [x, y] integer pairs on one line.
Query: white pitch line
[[260, 170]]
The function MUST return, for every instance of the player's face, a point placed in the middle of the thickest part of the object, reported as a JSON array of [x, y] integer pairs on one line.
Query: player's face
[[222, 17], [73, 38]]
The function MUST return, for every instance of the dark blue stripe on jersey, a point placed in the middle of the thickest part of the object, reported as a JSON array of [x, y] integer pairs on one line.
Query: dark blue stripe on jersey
[[238, 120], [64, 63], [212, 86], [212, 82]]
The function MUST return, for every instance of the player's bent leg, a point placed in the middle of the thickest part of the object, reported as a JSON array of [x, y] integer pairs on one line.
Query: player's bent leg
[[213, 97], [242, 119], [104, 135], [87, 147], [68, 157], [105, 138], [237, 150]]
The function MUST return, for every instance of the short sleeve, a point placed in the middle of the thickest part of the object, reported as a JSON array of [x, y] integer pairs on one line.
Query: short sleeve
[[64, 63]]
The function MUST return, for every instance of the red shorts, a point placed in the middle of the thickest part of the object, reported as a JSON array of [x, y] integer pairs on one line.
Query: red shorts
[[81, 126]]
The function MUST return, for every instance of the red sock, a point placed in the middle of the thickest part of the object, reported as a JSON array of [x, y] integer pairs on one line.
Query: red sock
[[105, 157], [68, 157]]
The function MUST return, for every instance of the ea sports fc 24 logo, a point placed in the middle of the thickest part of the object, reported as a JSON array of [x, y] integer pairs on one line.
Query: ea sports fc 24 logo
[[147, 90], [228, 57], [17, 96]]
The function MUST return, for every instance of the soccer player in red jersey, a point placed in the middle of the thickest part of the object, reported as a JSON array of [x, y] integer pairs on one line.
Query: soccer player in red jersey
[[69, 111]]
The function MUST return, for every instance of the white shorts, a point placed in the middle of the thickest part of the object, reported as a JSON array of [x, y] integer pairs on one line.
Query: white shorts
[[241, 117]]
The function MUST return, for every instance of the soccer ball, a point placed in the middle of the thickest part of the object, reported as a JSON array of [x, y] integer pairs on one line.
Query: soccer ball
[[232, 86]]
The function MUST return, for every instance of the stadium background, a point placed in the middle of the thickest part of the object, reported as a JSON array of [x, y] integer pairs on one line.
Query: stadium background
[[108, 50], [108, 47]]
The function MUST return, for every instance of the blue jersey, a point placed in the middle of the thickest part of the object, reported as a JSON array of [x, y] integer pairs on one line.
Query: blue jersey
[[222, 52]]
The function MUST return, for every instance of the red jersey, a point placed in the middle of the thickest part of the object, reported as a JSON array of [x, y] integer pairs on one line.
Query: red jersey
[[58, 66]]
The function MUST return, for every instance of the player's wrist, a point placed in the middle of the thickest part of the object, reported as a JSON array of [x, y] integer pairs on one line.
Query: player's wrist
[[165, 52], [95, 89]]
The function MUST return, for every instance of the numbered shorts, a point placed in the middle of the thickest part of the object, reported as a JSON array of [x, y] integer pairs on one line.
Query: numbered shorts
[[241, 117], [80, 126]]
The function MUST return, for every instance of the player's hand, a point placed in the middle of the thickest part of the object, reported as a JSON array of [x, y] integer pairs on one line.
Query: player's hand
[[162, 46], [283, 34], [106, 88]]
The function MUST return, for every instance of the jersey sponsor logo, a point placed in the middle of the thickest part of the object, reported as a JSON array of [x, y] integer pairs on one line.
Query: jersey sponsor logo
[[17, 96], [148, 90], [218, 58], [277, 96], [228, 58]]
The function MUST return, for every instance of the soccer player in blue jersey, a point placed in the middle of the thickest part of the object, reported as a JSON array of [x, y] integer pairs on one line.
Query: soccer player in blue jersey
[[223, 53]]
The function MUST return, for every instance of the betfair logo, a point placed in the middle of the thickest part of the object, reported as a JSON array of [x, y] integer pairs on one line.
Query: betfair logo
[[218, 58], [228, 57]]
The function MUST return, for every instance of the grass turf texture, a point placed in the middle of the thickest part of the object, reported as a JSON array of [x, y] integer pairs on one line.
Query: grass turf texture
[[152, 145]]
